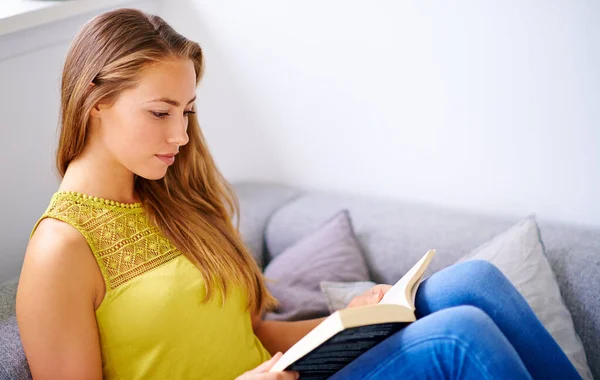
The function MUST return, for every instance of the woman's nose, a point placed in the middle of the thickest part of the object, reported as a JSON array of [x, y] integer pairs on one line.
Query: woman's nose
[[178, 133]]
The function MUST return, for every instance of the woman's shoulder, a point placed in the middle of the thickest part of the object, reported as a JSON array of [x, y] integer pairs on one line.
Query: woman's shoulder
[[56, 237], [59, 253], [57, 245]]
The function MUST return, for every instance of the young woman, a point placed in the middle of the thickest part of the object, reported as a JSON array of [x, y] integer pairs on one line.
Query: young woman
[[136, 271]]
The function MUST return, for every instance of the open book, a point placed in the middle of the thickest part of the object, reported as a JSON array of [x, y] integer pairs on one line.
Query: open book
[[348, 333]]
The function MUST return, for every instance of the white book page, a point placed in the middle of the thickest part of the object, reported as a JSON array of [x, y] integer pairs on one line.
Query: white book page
[[404, 291]]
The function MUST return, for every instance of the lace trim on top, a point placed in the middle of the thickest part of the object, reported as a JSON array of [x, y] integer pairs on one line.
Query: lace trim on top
[[119, 235]]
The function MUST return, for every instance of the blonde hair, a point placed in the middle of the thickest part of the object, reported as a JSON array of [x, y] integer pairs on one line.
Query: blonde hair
[[193, 204]]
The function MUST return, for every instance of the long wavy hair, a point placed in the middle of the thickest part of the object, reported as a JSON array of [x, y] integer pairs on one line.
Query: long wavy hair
[[193, 204]]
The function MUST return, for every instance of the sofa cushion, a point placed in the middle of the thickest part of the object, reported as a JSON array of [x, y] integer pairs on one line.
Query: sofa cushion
[[574, 254], [8, 291], [13, 363], [331, 252]]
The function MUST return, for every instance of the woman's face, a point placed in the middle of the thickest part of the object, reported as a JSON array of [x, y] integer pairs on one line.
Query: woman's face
[[144, 127]]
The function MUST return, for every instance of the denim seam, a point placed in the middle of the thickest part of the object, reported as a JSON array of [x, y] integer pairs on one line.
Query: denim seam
[[462, 344]]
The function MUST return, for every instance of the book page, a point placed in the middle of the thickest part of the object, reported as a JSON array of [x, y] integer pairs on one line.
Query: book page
[[404, 291]]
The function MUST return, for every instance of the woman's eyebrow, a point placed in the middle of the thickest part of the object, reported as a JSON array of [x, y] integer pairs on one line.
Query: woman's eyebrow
[[170, 101]]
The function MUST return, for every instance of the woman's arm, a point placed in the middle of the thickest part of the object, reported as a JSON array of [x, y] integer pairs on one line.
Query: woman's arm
[[55, 305], [279, 336]]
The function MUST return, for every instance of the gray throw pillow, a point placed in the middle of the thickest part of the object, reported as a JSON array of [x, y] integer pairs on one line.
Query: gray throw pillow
[[331, 253], [519, 254]]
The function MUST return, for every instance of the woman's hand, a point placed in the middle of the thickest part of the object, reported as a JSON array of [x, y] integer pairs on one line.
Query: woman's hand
[[262, 371], [371, 296]]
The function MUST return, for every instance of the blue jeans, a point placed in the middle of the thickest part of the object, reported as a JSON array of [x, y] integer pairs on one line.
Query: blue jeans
[[471, 324]]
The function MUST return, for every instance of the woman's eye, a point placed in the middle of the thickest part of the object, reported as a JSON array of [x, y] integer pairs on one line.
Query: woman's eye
[[160, 115]]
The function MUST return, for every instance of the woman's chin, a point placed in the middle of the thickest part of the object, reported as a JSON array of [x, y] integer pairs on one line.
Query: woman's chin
[[152, 175]]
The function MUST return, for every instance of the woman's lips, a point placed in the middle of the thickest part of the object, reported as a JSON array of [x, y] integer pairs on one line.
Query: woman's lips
[[169, 160]]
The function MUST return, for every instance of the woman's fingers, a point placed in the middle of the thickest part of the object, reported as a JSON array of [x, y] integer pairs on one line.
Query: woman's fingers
[[280, 376], [385, 287], [269, 376], [371, 296], [266, 366], [261, 372]]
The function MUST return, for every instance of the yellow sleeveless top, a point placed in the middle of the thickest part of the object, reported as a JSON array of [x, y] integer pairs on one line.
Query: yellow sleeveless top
[[151, 322]]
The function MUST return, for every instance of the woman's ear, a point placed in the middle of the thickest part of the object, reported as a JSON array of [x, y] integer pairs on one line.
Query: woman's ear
[[95, 111]]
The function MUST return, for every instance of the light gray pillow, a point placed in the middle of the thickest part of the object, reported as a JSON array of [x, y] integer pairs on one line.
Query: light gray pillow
[[339, 294], [332, 253], [519, 254]]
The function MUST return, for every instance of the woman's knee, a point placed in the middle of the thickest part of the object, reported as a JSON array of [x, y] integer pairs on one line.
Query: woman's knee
[[471, 272], [485, 279], [480, 269], [475, 282], [465, 320]]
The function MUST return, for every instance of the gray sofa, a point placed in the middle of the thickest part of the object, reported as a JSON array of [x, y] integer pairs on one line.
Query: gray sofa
[[394, 235]]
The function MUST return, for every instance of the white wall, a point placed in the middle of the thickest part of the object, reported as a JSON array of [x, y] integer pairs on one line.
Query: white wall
[[488, 105], [491, 106], [30, 68]]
